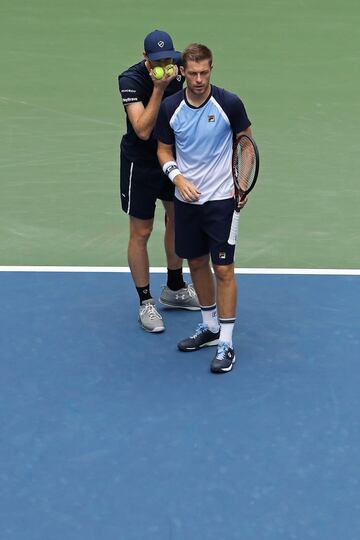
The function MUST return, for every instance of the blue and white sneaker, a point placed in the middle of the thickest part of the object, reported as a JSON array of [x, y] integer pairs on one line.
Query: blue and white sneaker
[[224, 358], [203, 337]]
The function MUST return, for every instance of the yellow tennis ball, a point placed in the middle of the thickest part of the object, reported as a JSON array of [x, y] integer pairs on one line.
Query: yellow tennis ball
[[158, 72], [170, 70]]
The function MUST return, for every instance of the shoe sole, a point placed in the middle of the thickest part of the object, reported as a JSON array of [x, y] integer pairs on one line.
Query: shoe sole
[[190, 349], [155, 330], [173, 306], [223, 370]]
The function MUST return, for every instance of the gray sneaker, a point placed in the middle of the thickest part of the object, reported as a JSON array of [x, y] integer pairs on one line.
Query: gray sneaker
[[149, 318], [185, 298]]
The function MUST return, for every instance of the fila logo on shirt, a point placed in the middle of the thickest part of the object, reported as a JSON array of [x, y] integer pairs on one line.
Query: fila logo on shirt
[[211, 118]]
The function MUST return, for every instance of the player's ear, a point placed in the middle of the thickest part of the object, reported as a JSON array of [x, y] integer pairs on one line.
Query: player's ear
[[182, 71]]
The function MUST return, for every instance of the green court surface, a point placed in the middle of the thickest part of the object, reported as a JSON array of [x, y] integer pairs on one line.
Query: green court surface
[[294, 63]]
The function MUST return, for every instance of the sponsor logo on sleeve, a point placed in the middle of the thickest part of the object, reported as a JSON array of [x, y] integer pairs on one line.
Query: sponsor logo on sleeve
[[129, 99], [125, 95]]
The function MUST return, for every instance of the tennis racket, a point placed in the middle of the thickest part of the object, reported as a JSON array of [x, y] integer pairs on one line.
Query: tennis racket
[[245, 169]]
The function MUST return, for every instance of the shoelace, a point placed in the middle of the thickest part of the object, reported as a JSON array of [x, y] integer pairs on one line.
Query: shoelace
[[191, 290], [222, 350], [200, 329], [150, 310]]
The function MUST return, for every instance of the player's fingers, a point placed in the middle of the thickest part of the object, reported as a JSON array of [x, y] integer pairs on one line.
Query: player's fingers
[[190, 195], [169, 76], [243, 202], [194, 193], [189, 192], [184, 194]]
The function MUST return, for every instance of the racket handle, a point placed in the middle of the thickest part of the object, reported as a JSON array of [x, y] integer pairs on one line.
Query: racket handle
[[234, 228]]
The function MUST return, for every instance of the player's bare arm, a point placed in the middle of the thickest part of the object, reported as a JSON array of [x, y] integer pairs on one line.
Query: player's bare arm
[[143, 119], [187, 190]]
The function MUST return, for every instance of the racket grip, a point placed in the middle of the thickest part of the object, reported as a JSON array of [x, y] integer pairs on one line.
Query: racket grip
[[234, 228]]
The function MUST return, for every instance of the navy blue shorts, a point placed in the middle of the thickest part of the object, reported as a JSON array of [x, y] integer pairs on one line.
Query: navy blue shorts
[[202, 229], [141, 184]]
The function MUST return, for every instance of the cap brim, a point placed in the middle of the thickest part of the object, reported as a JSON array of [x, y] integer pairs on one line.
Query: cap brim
[[175, 55]]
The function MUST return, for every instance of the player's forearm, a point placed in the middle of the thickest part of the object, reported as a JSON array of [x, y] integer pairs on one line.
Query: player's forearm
[[146, 123], [186, 189], [164, 153]]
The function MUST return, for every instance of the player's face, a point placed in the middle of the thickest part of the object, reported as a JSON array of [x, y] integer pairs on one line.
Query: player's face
[[197, 75]]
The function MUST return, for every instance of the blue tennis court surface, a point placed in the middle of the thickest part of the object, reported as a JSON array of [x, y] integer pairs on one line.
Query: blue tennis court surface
[[108, 432]]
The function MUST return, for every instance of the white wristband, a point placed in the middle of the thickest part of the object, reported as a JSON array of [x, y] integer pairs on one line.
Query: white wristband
[[171, 170]]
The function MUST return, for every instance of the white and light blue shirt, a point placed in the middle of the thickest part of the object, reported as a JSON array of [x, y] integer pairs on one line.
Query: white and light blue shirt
[[203, 139]]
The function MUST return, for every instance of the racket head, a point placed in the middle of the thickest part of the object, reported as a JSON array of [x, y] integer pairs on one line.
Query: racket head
[[245, 164]]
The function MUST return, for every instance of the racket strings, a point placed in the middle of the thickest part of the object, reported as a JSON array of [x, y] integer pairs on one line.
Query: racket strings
[[244, 165]]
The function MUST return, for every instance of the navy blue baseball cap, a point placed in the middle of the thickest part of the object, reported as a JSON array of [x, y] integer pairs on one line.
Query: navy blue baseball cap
[[158, 44]]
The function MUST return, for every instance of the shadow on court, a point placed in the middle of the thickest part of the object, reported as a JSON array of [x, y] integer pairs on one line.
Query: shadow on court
[[110, 432]]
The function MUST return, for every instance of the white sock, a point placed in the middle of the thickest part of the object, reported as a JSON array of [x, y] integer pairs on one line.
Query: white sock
[[226, 330], [209, 317]]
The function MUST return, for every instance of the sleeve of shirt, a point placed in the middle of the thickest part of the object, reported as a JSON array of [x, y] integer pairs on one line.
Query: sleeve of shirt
[[236, 113], [163, 131], [130, 90]]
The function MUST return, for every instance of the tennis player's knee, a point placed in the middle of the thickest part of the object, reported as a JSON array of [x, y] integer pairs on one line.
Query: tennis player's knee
[[224, 273], [140, 231], [199, 263], [142, 235]]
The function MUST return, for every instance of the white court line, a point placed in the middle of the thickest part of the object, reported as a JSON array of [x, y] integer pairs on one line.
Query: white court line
[[162, 270]]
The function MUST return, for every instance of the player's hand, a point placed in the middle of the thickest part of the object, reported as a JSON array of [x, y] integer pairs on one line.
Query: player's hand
[[241, 203], [166, 80], [187, 190]]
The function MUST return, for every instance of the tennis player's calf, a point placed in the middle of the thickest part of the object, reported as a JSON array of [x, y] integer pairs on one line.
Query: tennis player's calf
[[140, 231], [203, 279], [226, 291]]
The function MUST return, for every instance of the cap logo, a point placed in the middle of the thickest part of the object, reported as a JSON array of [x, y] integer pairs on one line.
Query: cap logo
[[161, 44]]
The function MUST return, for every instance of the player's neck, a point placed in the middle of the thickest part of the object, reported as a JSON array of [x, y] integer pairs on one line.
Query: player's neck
[[196, 100]]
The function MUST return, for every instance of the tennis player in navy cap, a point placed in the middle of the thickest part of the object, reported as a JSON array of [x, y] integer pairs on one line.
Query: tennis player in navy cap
[[142, 180]]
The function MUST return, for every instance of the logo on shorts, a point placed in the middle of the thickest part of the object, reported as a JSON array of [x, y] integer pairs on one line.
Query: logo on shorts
[[211, 118], [222, 255]]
